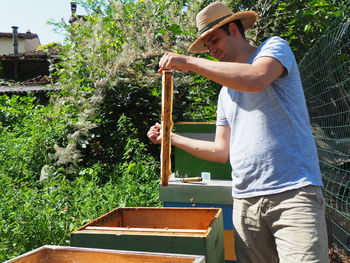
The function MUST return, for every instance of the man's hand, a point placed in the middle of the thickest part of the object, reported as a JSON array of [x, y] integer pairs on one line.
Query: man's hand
[[173, 61], [154, 134]]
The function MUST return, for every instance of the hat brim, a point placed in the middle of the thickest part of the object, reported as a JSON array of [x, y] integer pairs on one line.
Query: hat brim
[[248, 19]]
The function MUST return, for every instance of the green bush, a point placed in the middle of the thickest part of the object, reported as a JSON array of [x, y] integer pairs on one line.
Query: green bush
[[32, 215], [28, 132], [39, 212]]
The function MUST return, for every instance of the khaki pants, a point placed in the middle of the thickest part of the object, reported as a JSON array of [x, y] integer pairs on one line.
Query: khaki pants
[[286, 227]]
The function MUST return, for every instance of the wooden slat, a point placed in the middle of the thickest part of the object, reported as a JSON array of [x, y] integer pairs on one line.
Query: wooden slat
[[139, 229], [56, 254], [167, 125]]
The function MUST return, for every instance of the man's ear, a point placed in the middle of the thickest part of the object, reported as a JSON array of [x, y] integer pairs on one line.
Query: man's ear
[[232, 27]]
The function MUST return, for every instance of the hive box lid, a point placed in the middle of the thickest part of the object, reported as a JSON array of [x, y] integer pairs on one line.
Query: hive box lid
[[56, 254]]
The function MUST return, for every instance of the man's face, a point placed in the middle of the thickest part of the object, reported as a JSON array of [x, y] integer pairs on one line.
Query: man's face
[[220, 45]]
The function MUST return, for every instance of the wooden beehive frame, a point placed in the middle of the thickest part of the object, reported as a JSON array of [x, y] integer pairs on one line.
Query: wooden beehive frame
[[167, 125]]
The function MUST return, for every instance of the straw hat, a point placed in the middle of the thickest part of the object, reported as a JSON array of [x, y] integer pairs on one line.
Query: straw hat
[[214, 16]]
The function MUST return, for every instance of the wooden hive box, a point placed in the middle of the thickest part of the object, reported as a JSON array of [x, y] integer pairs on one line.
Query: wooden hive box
[[55, 254], [194, 231]]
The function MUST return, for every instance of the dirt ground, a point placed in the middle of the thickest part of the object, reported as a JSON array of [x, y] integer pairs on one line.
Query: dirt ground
[[337, 255]]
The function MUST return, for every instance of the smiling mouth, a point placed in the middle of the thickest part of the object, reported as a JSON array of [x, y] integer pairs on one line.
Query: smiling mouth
[[218, 55], [215, 54]]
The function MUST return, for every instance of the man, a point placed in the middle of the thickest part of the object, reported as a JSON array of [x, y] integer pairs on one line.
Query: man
[[263, 127]]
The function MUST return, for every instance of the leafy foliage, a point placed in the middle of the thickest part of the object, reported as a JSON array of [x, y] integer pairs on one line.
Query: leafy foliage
[[27, 134], [110, 68], [37, 212], [32, 215], [300, 22]]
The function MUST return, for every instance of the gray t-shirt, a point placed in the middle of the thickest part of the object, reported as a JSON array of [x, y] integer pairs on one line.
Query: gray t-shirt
[[271, 147]]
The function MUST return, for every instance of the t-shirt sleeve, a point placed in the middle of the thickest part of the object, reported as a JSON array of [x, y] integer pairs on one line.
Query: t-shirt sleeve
[[279, 49], [220, 113]]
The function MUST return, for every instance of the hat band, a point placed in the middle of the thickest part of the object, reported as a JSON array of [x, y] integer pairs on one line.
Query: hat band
[[209, 26]]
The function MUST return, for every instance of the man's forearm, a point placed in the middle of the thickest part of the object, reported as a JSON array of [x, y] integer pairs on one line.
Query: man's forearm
[[238, 76], [242, 77], [206, 150]]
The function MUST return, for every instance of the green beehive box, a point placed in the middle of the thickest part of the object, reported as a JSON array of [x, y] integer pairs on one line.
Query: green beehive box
[[192, 231], [56, 254], [187, 165]]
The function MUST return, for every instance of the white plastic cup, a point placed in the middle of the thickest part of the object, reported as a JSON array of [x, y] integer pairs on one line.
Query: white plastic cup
[[205, 176]]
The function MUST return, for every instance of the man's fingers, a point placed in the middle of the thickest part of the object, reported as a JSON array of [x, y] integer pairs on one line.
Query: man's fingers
[[165, 63], [154, 132]]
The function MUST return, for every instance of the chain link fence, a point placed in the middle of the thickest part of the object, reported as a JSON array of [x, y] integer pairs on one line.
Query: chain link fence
[[325, 73]]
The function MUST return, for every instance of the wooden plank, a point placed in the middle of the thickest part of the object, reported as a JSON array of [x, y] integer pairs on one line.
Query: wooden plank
[[167, 126], [139, 229], [176, 218], [71, 256], [57, 254], [38, 255], [191, 179]]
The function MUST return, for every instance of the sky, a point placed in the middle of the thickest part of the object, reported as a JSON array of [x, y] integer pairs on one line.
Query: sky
[[33, 15]]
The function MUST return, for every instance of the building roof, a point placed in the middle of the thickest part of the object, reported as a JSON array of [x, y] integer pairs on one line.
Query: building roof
[[31, 55], [27, 35], [28, 65]]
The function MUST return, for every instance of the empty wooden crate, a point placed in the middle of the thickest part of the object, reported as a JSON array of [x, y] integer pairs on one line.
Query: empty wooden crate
[[54, 254], [194, 231]]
